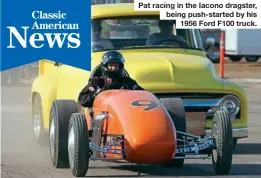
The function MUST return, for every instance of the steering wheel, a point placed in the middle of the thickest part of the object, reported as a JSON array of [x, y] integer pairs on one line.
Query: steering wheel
[[97, 48], [183, 44]]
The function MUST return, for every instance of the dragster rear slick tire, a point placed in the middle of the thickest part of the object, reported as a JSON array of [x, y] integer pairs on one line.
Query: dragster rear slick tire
[[176, 111], [234, 143], [222, 133], [61, 112], [79, 155]]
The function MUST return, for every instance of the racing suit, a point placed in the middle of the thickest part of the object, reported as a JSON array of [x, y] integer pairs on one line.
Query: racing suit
[[86, 97]]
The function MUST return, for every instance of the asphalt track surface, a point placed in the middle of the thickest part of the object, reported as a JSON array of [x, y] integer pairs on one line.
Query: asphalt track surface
[[22, 157]]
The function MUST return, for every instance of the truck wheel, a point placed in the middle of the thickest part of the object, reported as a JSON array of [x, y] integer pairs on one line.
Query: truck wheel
[[176, 111], [78, 145], [235, 58], [222, 132], [61, 112], [37, 121], [251, 58]]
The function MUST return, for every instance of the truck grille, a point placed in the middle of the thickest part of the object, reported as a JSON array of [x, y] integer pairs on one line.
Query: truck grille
[[197, 105]]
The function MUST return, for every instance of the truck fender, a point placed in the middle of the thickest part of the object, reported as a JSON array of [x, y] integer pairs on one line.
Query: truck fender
[[45, 86]]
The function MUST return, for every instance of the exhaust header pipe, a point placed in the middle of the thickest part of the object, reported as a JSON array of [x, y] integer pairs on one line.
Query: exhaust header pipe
[[97, 131]]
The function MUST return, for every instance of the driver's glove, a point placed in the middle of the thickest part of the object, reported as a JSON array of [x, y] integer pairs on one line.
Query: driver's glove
[[98, 90]]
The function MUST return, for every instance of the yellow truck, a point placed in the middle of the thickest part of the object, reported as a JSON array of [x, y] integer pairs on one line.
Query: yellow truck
[[170, 68]]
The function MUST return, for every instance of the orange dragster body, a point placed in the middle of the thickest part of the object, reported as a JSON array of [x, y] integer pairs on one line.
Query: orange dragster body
[[140, 118]]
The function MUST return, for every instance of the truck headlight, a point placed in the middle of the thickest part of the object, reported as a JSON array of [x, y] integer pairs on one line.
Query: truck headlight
[[231, 104]]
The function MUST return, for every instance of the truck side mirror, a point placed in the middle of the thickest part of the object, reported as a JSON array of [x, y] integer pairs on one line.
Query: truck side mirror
[[210, 41], [212, 49]]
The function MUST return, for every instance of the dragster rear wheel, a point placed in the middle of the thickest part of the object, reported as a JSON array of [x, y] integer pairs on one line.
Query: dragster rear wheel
[[61, 112], [78, 145], [222, 132], [176, 111], [234, 143]]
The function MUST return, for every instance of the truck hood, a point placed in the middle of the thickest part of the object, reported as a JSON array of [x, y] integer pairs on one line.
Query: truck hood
[[170, 72]]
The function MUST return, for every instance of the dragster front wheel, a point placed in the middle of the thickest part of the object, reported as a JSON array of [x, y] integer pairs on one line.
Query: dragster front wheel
[[222, 133], [78, 145]]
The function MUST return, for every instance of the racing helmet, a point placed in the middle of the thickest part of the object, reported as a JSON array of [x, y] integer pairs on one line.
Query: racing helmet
[[112, 56]]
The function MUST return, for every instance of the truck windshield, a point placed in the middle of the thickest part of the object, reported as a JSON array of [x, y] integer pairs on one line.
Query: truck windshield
[[141, 32]]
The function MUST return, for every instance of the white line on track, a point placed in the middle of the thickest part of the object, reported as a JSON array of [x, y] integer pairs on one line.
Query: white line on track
[[246, 80]]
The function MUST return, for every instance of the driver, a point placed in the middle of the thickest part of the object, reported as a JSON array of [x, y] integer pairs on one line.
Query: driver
[[97, 40], [166, 32], [112, 67]]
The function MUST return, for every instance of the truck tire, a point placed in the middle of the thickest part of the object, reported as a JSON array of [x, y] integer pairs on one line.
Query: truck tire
[[60, 115], [78, 145], [37, 121], [235, 58], [222, 132], [251, 58], [176, 110]]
